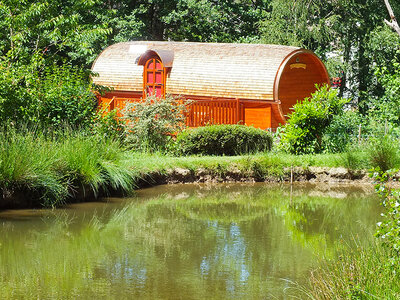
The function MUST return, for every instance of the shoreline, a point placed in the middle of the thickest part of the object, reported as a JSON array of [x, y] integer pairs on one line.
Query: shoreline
[[21, 199], [295, 174]]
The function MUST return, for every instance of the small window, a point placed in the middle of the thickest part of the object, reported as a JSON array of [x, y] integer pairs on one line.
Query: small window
[[154, 78]]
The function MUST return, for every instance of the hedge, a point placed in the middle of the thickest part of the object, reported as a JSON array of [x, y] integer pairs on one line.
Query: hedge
[[223, 140]]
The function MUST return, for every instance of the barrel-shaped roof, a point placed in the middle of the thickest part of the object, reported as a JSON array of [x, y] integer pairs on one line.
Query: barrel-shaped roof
[[244, 71]]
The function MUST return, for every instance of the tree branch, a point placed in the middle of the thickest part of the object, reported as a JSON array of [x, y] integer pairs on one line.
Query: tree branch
[[393, 23]]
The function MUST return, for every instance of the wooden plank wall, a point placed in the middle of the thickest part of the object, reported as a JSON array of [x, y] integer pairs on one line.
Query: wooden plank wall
[[297, 83]]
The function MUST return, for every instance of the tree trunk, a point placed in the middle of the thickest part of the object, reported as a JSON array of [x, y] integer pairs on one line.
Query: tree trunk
[[363, 71], [393, 22]]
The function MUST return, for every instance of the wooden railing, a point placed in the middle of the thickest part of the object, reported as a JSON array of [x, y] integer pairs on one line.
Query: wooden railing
[[206, 112], [106, 105], [199, 113]]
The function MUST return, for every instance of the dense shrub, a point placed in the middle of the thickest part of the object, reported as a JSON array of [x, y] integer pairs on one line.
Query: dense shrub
[[151, 123], [223, 140], [16, 101], [306, 125], [108, 125], [341, 132]]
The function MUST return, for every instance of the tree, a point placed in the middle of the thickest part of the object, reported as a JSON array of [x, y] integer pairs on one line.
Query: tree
[[340, 27], [192, 20], [296, 23], [393, 22], [57, 29]]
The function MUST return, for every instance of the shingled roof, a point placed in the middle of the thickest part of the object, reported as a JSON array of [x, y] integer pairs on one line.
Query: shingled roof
[[245, 71]]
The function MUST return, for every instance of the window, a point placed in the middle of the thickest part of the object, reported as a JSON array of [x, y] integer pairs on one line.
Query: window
[[154, 78]]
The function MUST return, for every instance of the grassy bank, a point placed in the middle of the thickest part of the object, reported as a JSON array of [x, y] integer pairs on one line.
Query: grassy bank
[[39, 169]]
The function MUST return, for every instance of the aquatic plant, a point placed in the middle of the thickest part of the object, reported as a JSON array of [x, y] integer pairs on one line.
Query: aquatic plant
[[360, 272]]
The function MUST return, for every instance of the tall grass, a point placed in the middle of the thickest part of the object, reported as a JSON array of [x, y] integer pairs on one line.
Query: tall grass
[[383, 153], [48, 169], [360, 272], [27, 163], [94, 162]]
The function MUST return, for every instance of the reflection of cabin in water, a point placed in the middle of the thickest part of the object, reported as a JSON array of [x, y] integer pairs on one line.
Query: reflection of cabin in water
[[230, 83]]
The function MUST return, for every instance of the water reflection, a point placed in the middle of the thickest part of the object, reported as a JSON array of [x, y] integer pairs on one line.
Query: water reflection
[[188, 242]]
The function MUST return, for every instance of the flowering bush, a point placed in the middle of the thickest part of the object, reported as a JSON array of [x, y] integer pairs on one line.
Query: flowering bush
[[152, 122]]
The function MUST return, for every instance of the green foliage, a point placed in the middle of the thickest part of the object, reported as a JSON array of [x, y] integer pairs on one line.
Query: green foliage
[[360, 44], [306, 125], [56, 28], [16, 100], [387, 107], [383, 152], [108, 126], [289, 23], [351, 160], [383, 48], [27, 164], [223, 140], [359, 272], [213, 21], [388, 230], [94, 163], [150, 124], [53, 97], [65, 96], [366, 272], [127, 27], [341, 132]]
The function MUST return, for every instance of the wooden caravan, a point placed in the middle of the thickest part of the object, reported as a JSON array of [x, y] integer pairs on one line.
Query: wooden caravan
[[252, 84]]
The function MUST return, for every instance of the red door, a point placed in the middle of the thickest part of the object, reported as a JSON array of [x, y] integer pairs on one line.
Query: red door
[[154, 79]]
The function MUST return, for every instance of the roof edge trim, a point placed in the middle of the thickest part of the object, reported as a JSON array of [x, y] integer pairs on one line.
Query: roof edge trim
[[166, 57]]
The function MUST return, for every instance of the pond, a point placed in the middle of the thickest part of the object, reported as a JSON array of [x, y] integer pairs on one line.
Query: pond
[[223, 241]]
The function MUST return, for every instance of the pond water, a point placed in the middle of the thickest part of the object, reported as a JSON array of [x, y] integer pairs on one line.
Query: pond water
[[227, 241]]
